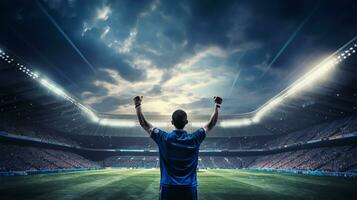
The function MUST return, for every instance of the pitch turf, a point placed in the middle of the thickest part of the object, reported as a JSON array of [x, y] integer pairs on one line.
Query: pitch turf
[[144, 185]]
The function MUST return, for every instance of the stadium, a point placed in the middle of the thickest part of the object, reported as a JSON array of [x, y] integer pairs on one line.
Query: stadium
[[69, 71]]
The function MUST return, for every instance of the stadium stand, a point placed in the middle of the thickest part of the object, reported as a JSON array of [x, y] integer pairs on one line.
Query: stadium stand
[[334, 158], [321, 131], [324, 159], [337, 159], [45, 135], [147, 143], [19, 158]]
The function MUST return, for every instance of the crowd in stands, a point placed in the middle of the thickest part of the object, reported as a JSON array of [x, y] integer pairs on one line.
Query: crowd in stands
[[342, 158], [23, 158], [321, 131], [132, 162], [325, 130], [105, 142], [153, 162], [42, 134], [146, 143]]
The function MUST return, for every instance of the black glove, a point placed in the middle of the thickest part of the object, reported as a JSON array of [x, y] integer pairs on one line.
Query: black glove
[[137, 101], [218, 100]]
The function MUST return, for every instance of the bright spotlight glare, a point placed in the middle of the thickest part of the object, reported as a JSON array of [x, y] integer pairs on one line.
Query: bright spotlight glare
[[52, 87], [93, 117], [256, 119], [310, 78], [36, 74], [318, 73], [197, 124], [117, 122], [236, 122], [307, 80], [161, 124], [267, 107]]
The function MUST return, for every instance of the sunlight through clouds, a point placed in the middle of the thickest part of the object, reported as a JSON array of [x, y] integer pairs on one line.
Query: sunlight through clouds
[[187, 84], [103, 13]]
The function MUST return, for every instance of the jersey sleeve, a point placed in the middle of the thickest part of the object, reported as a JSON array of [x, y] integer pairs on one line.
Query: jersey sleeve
[[157, 135], [199, 135]]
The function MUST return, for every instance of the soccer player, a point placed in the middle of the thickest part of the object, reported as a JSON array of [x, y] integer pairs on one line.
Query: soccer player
[[178, 152]]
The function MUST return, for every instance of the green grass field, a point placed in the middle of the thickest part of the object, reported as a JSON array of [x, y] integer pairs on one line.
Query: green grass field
[[144, 185]]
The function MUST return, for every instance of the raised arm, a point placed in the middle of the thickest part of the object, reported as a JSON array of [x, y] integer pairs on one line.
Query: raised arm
[[143, 122], [214, 117]]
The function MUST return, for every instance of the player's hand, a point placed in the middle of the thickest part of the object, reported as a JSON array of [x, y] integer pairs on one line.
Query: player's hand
[[218, 100], [138, 100]]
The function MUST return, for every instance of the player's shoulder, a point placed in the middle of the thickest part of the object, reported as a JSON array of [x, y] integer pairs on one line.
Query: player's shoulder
[[199, 131], [158, 134], [156, 130]]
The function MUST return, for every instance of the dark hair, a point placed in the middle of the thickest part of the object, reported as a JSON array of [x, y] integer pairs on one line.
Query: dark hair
[[179, 119]]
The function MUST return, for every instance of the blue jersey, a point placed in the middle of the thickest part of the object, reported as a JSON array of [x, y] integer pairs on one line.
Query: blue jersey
[[178, 156]]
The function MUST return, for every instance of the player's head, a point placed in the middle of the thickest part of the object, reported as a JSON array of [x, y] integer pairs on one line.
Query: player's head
[[179, 119]]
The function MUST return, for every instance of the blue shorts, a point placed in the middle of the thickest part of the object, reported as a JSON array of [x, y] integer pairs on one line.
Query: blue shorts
[[178, 192]]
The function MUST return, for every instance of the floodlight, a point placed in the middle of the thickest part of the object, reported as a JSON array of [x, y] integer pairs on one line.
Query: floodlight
[[310, 78], [36, 74], [256, 119], [117, 122], [92, 116], [52, 87], [236, 122]]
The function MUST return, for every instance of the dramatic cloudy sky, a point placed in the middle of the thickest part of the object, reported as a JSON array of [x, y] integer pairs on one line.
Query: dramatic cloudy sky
[[178, 54]]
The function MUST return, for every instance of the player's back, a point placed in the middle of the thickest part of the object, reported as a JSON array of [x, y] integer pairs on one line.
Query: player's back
[[178, 156]]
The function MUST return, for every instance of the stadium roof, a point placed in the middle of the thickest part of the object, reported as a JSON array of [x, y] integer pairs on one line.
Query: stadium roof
[[81, 76], [318, 96]]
